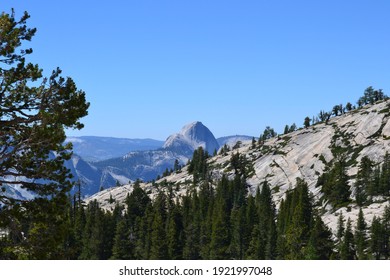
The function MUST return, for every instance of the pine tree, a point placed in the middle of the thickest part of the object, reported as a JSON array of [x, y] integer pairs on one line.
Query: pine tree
[[78, 228], [348, 107], [335, 183], [297, 233], [294, 223], [320, 245], [293, 127], [348, 251], [336, 109], [364, 180], [220, 238], [286, 129], [159, 246], [175, 234], [192, 224], [109, 230], [271, 245], [266, 214], [282, 223], [361, 237], [386, 232], [385, 176], [176, 166], [371, 96], [206, 204], [48, 229], [123, 248], [377, 242], [256, 246], [306, 123], [263, 238], [136, 203], [237, 224], [93, 233], [253, 142], [158, 238], [143, 229], [198, 165], [251, 218], [34, 113], [268, 134], [339, 234]]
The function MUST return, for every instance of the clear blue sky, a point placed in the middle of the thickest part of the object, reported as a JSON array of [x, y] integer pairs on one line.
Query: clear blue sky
[[150, 67]]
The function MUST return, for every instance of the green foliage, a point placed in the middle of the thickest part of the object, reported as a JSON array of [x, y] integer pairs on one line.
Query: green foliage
[[241, 165], [320, 245], [253, 143], [159, 246], [306, 122], [324, 116], [123, 247], [206, 223], [337, 109], [220, 236], [286, 129], [267, 134], [349, 106], [379, 239], [93, 233], [371, 96], [295, 222], [175, 233], [364, 180], [137, 203], [347, 249], [372, 181], [335, 185], [263, 235], [224, 150], [34, 113], [176, 166], [192, 223], [198, 166], [384, 180], [361, 237], [293, 127]]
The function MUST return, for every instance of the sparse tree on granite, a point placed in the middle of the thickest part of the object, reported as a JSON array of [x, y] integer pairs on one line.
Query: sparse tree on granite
[[306, 123]]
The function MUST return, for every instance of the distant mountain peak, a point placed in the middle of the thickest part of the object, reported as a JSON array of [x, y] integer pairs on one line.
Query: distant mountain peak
[[191, 126], [192, 136]]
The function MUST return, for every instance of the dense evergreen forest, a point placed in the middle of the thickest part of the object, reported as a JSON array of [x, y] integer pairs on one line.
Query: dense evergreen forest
[[213, 223]]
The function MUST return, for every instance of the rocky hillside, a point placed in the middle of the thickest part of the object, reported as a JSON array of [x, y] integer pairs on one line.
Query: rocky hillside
[[233, 139], [305, 154]]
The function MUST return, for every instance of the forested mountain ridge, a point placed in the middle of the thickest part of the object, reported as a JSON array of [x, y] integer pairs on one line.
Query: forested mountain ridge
[[310, 154]]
